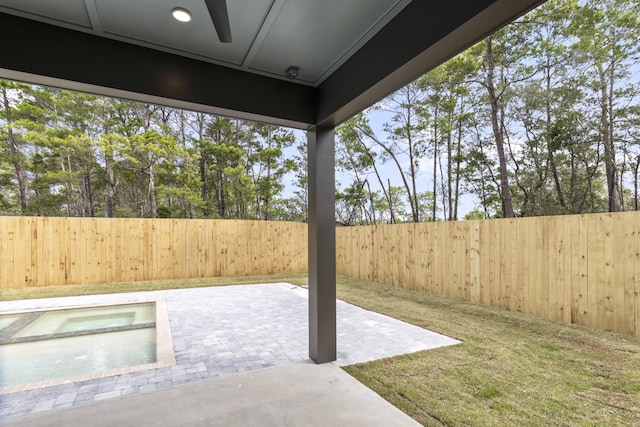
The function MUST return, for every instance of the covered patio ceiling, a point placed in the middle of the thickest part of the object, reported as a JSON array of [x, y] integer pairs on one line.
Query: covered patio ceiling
[[349, 53]]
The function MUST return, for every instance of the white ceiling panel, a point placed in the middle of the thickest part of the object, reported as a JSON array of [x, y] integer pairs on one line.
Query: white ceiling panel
[[150, 21], [316, 36], [71, 12]]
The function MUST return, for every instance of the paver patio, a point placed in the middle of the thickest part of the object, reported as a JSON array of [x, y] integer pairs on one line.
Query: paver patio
[[221, 331]]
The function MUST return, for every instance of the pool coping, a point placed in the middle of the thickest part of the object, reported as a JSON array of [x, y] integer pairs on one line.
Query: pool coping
[[165, 356]]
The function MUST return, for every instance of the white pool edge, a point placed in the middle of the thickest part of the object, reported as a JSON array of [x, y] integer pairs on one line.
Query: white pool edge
[[164, 340]]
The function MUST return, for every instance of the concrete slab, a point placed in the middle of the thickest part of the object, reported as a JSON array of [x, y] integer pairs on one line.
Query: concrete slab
[[297, 394]]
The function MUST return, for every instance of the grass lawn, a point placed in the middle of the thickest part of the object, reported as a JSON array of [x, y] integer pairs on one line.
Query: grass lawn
[[511, 369], [152, 285]]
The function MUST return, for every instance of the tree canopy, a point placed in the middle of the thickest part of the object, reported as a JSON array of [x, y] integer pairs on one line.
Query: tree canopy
[[540, 118]]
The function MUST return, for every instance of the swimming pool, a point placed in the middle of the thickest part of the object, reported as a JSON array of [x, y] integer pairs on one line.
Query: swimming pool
[[40, 348]]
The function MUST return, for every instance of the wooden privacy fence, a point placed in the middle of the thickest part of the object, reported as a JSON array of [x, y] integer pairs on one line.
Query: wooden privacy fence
[[41, 251], [581, 269]]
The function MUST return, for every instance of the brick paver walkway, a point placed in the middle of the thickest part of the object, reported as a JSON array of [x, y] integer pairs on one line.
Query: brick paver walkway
[[223, 331]]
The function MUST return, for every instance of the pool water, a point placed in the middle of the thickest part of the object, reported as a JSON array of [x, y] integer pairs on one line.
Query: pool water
[[41, 360], [8, 319], [43, 345], [89, 318], [85, 323]]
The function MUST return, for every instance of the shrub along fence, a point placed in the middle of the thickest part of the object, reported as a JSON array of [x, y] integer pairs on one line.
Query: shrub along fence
[[45, 251], [582, 269]]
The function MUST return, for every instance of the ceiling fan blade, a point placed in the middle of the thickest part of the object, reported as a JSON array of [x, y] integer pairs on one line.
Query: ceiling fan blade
[[220, 18]]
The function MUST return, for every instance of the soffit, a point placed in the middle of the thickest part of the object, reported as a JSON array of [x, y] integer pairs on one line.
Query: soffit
[[269, 36]]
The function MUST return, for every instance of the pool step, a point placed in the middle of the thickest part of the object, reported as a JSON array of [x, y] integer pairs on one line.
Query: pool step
[[9, 339], [16, 326]]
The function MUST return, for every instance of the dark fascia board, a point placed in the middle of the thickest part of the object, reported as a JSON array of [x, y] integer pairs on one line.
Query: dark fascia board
[[40, 53], [421, 37]]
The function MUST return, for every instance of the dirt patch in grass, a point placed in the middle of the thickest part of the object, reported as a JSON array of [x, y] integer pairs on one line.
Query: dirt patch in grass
[[511, 369]]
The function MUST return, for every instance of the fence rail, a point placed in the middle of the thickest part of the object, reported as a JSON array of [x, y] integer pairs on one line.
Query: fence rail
[[582, 269], [45, 251]]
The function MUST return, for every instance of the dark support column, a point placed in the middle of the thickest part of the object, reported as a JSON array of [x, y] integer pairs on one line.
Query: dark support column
[[322, 245]]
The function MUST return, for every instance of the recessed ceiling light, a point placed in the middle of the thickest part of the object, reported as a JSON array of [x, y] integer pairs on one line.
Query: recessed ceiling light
[[181, 14]]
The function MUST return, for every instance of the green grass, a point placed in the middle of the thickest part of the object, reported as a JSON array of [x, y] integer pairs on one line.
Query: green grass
[[152, 285], [511, 369]]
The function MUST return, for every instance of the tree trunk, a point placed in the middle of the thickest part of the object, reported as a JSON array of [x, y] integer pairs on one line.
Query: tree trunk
[[607, 142], [393, 217], [152, 187], [458, 163], [386, 194], [449, 168], [21, 176], [110, 200], [402, 175], [434, 208], [88, 191], [413, 200], [550, 146], [505, 193], [635, 183]]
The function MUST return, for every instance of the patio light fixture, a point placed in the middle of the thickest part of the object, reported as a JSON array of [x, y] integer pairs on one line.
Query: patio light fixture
[[181, 14], [292, 72]]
